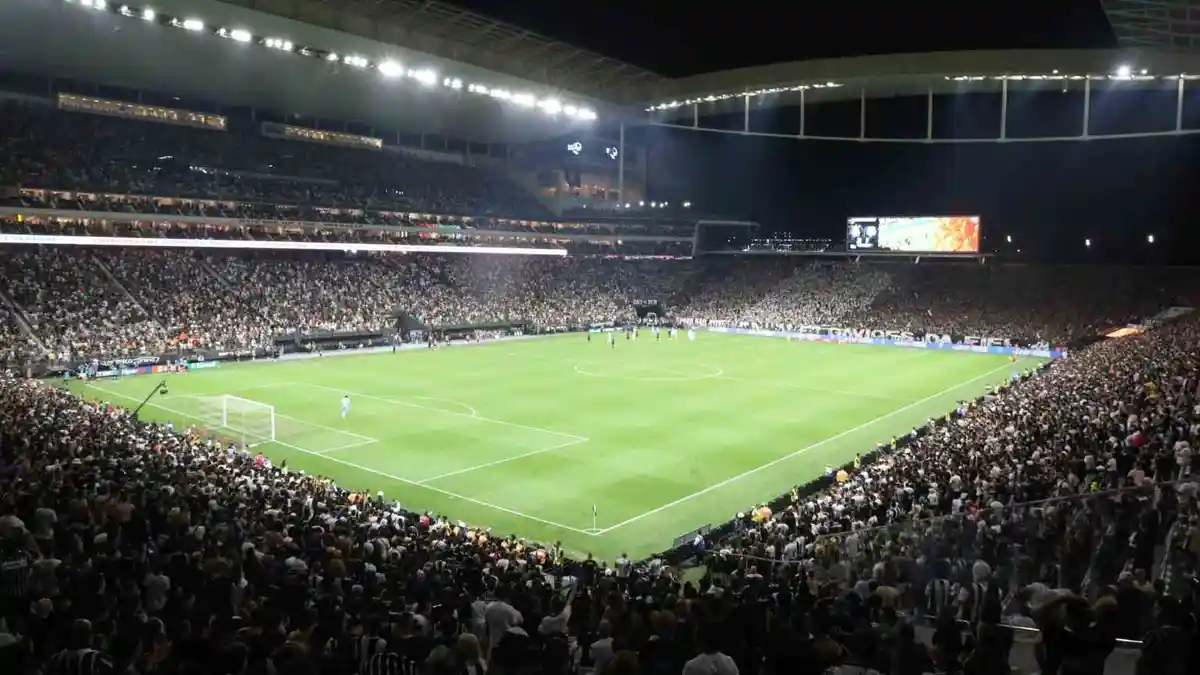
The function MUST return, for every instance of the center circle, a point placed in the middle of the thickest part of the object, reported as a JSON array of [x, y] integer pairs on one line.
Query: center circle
[[653, 374]]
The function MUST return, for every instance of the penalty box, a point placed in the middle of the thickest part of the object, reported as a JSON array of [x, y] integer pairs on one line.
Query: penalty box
[[428, 423]]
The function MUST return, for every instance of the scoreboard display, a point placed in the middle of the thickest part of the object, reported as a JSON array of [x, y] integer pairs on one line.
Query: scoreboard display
[[906, 234]]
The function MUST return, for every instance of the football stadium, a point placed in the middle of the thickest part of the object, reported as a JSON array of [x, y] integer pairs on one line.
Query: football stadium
[[396, 338]]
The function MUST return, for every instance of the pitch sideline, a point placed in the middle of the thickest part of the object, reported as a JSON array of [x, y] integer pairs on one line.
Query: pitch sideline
[[377, 472], [797, 453]]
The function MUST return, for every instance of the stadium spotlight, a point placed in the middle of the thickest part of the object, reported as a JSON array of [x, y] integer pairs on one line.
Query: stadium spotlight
[[1008, 238], [641, 203], [1149, 239], [1087, 242], [585, 114], [148, 14], [331, 57], [1124, 71], [194, 25], [425, 76], [551, 105], [240, 35], [687, 205], [387, 68]]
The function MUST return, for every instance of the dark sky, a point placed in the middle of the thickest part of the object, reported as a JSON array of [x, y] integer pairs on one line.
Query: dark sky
[[686, 38]]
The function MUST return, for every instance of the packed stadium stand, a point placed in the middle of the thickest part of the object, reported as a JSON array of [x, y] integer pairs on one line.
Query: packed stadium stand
[[1062, 505]]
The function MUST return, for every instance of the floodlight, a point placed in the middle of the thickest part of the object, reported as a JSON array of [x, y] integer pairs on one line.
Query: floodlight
[[240, 35], [387, 68], [194, 25], [424, 76], [1123, 71], [148, 14]]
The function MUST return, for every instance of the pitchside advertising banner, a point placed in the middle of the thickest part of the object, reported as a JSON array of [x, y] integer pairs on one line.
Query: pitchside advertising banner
[[899, 338], [137, 365], [905, 234]]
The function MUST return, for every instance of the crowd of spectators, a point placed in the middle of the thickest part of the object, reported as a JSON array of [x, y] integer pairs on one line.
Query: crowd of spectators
[[1064, 501], [83, 303], [43, 147], [146, 300], [942, 298]]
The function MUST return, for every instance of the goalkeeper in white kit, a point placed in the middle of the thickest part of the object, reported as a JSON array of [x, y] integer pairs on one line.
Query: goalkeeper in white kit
[[345, 406]]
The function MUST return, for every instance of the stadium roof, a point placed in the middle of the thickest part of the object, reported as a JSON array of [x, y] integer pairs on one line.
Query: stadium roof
[[914, 74], [1155, 23], [106, 42], [445, 30], [483, 58]]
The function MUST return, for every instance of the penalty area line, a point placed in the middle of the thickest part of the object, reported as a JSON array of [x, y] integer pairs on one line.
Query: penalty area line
[[367, 469], [478, 418], [502, 460], [797, 453]]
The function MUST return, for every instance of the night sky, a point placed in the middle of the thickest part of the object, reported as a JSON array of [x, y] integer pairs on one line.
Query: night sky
[[686, 38], [1047, 197]]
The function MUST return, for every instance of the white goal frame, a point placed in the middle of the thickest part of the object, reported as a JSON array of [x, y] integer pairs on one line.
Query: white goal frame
[[233, 417]]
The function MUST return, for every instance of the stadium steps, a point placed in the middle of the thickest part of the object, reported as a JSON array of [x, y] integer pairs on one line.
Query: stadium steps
[[207, 266], [116, 283], [18, 314]]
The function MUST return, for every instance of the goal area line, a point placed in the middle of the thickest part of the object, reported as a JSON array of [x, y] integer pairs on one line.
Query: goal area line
[[322, 454]]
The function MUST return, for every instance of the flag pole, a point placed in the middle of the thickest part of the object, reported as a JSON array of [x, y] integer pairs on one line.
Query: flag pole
[[594, 528]]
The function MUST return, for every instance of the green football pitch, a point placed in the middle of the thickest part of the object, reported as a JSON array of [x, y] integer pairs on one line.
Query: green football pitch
[[608, 450]]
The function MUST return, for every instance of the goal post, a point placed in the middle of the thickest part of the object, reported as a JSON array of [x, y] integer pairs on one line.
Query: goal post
[[253, 421]]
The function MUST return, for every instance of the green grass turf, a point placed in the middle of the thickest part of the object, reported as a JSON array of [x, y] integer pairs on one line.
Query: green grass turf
[[526, 436]]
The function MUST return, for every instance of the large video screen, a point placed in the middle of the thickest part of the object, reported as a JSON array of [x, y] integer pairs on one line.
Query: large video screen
[[923, 234]]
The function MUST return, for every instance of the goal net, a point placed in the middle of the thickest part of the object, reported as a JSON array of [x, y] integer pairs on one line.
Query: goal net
[[252, 421]]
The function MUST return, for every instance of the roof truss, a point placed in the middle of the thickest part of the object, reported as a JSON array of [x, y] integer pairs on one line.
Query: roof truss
[[524, 53], [1155, 23]]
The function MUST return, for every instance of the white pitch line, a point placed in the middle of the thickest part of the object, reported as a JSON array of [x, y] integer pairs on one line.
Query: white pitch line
[[799, 452], [503, 460], [478, 418], [348, 446], [352, 465], [684, 376], [367, 439], [815, 390]]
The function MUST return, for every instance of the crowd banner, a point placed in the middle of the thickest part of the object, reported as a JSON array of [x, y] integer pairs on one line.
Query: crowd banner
[[912, 339]]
